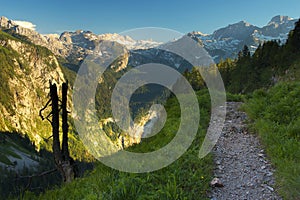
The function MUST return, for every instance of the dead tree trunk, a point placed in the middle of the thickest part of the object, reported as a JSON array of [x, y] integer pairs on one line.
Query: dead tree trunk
[[55, 126], [67, 160], [65, 126], [63, 161]]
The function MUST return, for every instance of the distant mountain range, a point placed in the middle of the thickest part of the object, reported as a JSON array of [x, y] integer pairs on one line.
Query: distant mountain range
[[221, 44], [73, 45], [227, 42]]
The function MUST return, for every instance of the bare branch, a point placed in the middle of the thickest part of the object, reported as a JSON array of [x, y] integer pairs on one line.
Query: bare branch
[[40, 113], [39, 175], [46, 139], [47, 118]]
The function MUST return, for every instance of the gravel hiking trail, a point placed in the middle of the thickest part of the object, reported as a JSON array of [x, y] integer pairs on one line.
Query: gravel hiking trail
[[242, 170]]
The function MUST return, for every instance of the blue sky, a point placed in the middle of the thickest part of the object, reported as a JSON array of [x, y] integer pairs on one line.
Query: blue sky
[[102, 16]]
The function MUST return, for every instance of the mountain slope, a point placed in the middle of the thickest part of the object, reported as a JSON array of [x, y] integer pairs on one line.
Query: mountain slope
[[25, 73]]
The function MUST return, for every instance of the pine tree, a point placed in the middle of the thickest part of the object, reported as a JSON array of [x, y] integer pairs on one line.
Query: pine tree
[[293, 41], [246, 52]]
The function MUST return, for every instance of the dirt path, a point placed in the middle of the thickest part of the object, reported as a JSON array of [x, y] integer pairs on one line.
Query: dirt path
[[240, 161]]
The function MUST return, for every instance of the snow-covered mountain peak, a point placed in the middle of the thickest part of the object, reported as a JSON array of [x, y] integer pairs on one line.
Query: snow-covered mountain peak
[[228, 41], [129, 42], [279, 19], [199, 33]]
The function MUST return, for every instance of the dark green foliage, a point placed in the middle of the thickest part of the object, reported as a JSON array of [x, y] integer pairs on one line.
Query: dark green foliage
[[235, 97], [194, 78], [104, 92], [12, 182], [293, 43], [245, 52]]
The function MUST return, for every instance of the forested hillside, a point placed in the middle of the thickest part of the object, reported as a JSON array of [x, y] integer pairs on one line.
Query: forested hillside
[[271, 63]]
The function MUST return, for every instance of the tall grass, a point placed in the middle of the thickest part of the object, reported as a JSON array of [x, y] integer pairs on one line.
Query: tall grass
[[276, 117]]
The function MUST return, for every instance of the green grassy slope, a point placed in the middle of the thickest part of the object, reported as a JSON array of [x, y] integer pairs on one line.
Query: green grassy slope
[[187, 178]]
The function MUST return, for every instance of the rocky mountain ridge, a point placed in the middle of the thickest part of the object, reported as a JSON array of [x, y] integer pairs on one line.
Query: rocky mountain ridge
[[221, 44], [228, 41], [73, 45]]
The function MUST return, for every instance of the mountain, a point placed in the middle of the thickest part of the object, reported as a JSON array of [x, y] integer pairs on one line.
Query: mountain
[[25, 73], [228, 41], [73, 45], [221, 44], [27, 66], [31, 65]]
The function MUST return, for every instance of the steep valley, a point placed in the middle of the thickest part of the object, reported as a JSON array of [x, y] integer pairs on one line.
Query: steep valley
[[251, 60]]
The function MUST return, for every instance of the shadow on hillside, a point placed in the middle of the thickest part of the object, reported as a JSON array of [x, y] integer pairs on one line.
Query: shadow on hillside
[[22, 167]]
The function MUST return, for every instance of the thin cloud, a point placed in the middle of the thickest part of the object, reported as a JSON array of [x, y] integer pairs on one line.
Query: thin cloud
[[26, 24]]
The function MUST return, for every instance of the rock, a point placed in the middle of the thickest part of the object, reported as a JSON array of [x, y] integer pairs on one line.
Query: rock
[[216, 183], [260, 155], [269, 174], [270, 188]]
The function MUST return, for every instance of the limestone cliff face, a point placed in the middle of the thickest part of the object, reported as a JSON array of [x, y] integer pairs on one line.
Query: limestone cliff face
[[34, 64], [72, 45], [29, 87], [32, 68]]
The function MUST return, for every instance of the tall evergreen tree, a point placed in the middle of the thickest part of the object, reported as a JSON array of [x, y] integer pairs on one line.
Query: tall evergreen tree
[[293, 41], [246, 51]]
